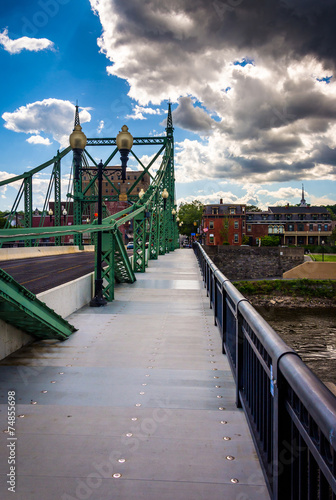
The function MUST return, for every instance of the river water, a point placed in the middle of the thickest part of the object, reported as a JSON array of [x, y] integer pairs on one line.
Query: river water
[[311, 333]]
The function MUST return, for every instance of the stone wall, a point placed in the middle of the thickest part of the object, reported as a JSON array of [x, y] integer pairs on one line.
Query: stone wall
[[239, 263]]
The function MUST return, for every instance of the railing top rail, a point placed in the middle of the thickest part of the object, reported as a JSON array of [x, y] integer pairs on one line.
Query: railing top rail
[[315, 396]]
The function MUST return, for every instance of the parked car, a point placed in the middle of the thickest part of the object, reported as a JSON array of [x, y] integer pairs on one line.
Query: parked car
[[130, 246]]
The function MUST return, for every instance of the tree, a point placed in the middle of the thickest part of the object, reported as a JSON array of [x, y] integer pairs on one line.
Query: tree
[[270, 241], [188, 214], [225, 230], [253, 208]]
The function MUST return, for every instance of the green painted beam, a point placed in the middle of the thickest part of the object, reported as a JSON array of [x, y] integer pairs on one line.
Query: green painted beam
[[22, 309]]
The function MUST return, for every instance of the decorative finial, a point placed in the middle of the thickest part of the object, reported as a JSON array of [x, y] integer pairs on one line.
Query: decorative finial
[[169, 128], [77, 121]]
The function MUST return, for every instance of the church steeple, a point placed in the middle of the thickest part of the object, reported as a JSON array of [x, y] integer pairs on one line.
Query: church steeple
[[303, 201]]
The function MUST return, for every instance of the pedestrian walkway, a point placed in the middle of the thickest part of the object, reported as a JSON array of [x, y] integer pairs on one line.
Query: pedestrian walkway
[[137, 404]]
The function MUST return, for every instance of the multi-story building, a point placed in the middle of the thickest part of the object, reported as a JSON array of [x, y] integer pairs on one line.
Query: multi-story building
[[223, 223], [301, 225], [115, 182]]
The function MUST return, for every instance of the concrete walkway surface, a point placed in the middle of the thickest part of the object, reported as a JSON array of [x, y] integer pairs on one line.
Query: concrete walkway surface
[[137, 404]]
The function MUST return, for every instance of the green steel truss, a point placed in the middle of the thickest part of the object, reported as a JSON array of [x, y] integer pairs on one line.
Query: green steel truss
[[22, 309], [155, 231]]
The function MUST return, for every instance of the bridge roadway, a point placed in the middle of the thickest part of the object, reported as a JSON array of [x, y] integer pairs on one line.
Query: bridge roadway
[[137, 404]]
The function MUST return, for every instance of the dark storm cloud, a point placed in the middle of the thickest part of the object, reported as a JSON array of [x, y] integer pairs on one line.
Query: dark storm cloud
[[192, 118]]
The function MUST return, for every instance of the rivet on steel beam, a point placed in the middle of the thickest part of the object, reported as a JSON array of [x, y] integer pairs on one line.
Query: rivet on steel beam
[[143, 384], [142, 393], [230, 457], [33, 402], [216, 377], [134, 419], [217, 386], [116, 475], [234, 480], [21, 416], [219, 396], [138, 404], [122, 460], [129, 434], [223, 422], [60, 373], [147, 375], [227, 438], [221, 408], [43, 392], [53, 382]]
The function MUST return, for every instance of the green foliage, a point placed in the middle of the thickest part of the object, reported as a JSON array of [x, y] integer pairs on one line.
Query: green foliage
[[2, 222], [296, 288], [224, 231], [252, 208], [270, 241], [332, 211], [188, 214], [245, 240]]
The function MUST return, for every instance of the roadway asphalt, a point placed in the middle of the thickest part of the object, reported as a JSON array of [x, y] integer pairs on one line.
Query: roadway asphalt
[[42, 273]]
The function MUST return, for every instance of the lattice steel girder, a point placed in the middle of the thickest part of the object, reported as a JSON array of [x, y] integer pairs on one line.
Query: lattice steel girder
[[28, 205], [137, 141], [139, 241], [21, 308], [108, 251], [154, 232]]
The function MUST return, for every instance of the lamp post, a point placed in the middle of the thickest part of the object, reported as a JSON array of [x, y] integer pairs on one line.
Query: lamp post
[[141, 193], [65, 213], [50, 213], [164, 195], [77, 141], [195, 226], [322, 243], [124, 143]]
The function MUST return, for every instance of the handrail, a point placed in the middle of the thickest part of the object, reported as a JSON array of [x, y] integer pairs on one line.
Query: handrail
[[290, 412]]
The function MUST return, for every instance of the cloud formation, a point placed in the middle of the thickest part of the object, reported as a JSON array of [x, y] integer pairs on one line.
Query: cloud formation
[[54, 117], [254, 79], [24, 43]]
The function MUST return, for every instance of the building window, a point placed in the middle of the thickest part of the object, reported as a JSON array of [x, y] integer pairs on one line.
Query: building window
[[319, 227], [326, 227], [211, 224], [214, 211], [236, 238], [232, 211], [311, 227], [270, 229], [243, 224], [211, 238], [249, 227], [236, 224], [290, 227], [275, 229], [300, 227], [281, 229]]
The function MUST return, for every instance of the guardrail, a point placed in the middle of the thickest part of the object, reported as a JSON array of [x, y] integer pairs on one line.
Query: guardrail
[[290, 412]]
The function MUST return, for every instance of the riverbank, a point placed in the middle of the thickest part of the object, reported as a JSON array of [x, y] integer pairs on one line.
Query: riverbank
[[301, 293]]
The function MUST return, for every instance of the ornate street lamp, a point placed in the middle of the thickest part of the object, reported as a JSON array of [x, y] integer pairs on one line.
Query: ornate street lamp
[[65, 213], [322, 243], [77, 142], [164, 195], [124, 142], [50, 213], [141, 193], [173, 214]]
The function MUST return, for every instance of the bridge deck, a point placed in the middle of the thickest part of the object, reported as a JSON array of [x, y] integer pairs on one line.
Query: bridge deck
[[142, 390]]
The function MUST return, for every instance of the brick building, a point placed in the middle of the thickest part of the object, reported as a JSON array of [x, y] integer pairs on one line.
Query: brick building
[[295, 225]]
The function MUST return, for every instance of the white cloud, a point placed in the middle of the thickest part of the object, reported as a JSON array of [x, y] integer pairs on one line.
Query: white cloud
[[24, 43], [54, 117], [101, 126], [138, 112], [273, 123], [38, 139]]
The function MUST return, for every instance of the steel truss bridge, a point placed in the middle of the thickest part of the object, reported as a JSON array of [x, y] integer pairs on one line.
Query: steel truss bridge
[[154, 226]]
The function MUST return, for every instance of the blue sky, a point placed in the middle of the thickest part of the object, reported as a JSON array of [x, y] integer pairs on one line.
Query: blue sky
[[254, 111]]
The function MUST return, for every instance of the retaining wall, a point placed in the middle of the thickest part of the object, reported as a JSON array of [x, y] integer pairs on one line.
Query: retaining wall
[[244, 262]]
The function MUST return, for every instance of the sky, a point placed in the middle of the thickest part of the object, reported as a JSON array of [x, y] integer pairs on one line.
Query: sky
[[252, 85]]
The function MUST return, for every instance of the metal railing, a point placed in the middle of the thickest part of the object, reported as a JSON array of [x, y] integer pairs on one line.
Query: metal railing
[[290, 412]]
